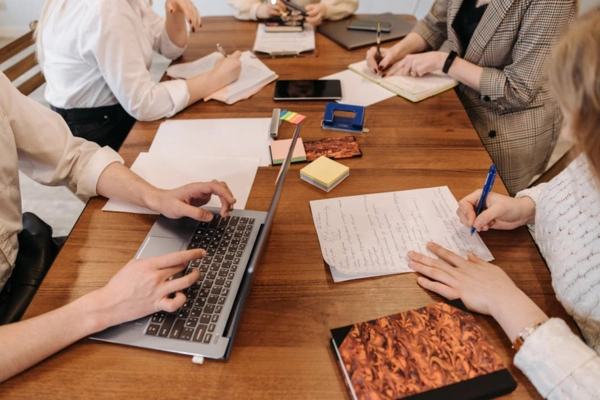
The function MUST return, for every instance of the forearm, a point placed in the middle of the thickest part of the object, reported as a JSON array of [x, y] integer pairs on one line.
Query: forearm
[[28, 342], [411, 44], [202, 85], [120, 183], [466, 73], [176, 28], [515, 312]]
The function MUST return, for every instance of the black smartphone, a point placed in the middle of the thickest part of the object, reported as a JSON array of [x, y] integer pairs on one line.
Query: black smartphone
[[296, 7], [365, 25], [309, 89]]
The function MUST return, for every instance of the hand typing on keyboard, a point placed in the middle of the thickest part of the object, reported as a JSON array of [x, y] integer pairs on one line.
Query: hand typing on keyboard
[[142, 287]]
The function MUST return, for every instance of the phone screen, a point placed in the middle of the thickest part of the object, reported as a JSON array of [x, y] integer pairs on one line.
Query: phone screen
[[365, 25], [321, 89]]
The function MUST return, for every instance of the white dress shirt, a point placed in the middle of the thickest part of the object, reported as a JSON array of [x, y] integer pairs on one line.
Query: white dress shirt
[[336, 9], [38, 142], [98, 53], [567, 230]]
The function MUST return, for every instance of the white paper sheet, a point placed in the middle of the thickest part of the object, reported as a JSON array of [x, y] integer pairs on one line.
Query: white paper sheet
[[358, 90], [231, 137], [369, 235], [253, 77], [171, 172], [284, 42]]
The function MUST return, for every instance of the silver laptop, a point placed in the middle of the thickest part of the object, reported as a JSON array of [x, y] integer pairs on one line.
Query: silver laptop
[[207, 323]]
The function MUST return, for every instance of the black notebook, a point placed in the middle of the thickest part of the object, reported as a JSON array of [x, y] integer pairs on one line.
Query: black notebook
[[430, 353], [350, 39]]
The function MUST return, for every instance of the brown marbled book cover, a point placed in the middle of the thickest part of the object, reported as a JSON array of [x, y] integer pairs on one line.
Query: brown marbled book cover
[[433, 352], [332, 147]]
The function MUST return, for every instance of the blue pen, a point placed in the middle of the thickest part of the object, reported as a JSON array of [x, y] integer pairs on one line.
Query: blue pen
[[489, 182]]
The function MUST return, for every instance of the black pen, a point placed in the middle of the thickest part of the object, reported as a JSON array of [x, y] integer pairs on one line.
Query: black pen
[[221, 50], [378, 52]]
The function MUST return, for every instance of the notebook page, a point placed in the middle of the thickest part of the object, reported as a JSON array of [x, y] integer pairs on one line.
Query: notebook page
[[370, 235]]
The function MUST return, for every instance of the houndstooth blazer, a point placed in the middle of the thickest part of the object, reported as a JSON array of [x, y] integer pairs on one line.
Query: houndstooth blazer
[[515, 115]]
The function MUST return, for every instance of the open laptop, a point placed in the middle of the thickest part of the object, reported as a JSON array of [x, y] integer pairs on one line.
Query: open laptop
[[207, 323], [349, 39]]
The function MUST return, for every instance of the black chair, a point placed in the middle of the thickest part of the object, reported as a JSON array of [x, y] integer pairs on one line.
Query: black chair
[[37, 251]]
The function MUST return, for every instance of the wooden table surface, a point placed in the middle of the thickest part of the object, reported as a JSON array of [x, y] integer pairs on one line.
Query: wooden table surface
[[282, 347]]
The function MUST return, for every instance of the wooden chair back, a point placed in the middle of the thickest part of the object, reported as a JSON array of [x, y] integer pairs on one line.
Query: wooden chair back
[[22, 50]]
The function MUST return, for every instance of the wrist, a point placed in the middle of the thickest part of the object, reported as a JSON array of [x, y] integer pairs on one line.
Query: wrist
[[515, 311], [449, 61]]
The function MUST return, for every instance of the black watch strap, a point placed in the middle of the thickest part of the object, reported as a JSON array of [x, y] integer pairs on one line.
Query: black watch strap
[[449, 61]]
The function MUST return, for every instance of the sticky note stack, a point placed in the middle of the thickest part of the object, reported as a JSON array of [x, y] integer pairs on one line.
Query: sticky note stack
[[324, 173], [280, 149]]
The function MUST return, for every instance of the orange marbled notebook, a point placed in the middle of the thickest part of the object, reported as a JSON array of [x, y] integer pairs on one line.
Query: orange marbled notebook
[[433, 352]]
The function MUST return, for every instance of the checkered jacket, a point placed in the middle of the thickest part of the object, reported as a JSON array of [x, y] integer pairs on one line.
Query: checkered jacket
[[515, 115]]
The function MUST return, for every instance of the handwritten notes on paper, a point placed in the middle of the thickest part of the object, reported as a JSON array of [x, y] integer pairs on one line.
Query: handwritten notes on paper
[[369, 235]]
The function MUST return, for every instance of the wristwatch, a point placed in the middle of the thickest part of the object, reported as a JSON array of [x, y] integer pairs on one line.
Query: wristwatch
[[524, 334], [451, 56]]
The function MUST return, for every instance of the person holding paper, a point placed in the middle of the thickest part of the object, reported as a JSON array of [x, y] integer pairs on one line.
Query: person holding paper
[[497, 49], [565, 213], [96, 55], [37, 141], [317, 10]]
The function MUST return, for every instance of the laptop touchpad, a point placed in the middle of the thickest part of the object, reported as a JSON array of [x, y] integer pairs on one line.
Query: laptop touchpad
[[158, 246]]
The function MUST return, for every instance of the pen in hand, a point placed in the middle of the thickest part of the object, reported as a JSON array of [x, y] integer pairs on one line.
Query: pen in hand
[[487, 187], [378, 51], [221, 50]]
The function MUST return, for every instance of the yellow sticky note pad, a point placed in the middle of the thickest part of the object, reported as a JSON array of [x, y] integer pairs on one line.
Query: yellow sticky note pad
[[324, 173]]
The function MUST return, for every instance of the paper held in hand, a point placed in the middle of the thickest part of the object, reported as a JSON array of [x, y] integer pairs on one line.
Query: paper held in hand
[[411, 88], [370, 235], [254, 76]]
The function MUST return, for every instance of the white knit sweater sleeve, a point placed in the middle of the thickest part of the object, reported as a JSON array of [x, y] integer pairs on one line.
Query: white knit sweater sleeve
[[567, 231], [559, 364]]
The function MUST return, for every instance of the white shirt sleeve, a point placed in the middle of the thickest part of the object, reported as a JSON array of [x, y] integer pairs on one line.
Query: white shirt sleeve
[[116, 48]]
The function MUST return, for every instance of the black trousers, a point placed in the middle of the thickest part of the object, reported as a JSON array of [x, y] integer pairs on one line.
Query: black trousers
[[107, 126]]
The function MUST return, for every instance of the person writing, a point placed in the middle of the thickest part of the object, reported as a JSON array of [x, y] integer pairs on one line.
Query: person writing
[[96, 55], [566, 214], [317, 10], [496, 48], [37, 140]]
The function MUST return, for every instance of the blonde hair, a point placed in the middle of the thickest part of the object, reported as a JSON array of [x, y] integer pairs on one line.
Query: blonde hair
[[574, 76]]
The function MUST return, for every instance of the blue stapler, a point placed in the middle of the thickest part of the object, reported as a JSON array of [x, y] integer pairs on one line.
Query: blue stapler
[[353, 124]]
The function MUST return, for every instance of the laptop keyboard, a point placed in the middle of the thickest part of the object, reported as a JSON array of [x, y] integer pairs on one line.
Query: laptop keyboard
[[224, 240]]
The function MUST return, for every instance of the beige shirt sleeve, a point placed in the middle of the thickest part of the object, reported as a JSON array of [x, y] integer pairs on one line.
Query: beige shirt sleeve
[[38, 142]]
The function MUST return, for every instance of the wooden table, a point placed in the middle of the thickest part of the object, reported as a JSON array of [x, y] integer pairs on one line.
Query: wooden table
[[282, 348]]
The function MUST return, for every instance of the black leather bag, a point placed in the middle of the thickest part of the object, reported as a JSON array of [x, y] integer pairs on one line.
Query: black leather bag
[[37, 251]]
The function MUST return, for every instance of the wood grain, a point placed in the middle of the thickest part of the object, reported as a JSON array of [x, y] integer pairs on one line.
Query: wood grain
[[282, 348]]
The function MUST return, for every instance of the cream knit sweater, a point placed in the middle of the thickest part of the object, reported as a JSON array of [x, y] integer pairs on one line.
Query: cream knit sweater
[[567, 229]]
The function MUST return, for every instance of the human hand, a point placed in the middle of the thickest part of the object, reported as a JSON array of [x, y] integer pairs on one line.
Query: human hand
[[419, 64], [501, 212], [227, 69], [388, 57], [143, 287], [316, 13], [185, 201], [480, 285], [188, 9], [270, 10]]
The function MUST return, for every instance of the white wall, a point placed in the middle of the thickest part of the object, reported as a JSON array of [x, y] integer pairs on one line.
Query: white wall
[[15, 15]]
